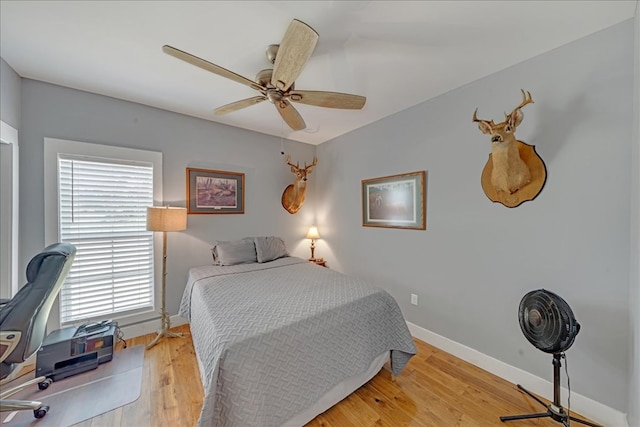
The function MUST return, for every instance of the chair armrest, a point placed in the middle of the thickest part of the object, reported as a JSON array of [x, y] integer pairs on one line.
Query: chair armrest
[[8, 341]]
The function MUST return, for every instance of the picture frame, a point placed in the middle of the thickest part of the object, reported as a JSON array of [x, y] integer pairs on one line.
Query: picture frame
[[395, 201], [214, 192]]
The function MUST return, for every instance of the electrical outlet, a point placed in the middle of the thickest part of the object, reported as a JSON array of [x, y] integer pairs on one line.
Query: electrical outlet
[[414, 299]]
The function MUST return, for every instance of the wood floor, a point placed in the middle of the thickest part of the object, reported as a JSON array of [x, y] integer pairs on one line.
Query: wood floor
[[435, 389]]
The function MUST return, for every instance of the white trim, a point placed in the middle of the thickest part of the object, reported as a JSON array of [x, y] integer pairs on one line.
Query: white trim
[[8, 134], [10, 211], [585, 406]]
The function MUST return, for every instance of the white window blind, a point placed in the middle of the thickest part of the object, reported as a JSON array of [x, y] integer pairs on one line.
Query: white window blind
[[102, 211]]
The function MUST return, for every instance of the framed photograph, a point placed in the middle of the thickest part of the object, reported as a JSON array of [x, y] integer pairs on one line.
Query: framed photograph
[[396, 201], [214, 192]]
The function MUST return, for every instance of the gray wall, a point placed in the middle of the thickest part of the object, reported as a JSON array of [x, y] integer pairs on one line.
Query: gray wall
[[477, 258], [58, 112], [10, 86]]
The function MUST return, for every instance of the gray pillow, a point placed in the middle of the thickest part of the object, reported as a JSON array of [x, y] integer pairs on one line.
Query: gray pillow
[[234, 252], [270, 248]]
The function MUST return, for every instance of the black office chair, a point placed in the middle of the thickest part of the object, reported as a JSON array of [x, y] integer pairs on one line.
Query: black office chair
[[23, 320]]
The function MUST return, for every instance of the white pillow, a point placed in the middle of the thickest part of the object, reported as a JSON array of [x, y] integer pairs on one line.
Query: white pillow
[[270, 248], [234, 252]]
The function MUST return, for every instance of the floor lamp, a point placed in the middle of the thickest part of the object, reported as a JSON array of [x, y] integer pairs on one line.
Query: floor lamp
[[165, 219]]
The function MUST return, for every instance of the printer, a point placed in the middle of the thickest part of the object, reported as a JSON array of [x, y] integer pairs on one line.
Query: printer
[[70, 351]]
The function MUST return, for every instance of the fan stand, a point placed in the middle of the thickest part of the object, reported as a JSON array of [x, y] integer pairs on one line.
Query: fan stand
[[554, 410]]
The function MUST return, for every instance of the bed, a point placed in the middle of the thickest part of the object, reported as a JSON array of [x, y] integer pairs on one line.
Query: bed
[[280, 341]]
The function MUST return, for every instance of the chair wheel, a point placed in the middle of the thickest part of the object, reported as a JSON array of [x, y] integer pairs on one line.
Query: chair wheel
[[45, 384], [40, 412]]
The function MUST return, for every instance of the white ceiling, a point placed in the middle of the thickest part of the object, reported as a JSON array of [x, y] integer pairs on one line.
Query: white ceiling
[[397, 54]]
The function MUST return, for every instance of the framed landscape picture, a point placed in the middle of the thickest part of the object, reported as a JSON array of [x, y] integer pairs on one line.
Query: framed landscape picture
[[396, 201], [214, 192]]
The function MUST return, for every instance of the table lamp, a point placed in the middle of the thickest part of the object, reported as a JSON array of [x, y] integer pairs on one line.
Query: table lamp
[[313, 235]]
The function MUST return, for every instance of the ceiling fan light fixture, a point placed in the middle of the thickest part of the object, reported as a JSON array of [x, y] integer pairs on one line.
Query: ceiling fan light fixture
[[272, 51]]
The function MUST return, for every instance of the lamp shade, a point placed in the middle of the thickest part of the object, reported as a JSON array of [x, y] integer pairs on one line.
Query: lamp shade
[[166, 218], [313, 233]]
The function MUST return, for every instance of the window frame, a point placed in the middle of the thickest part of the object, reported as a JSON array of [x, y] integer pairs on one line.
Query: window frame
[[53, 147], [9, 211]]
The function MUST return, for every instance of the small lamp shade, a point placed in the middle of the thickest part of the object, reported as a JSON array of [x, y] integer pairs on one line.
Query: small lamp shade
[[166, 218], [313, 233]]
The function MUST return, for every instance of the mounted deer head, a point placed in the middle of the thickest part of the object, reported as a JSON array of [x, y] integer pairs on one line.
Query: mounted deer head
[[293, 195], [511, 163]]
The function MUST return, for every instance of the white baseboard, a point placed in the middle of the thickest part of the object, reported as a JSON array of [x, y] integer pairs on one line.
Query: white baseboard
[[148, 327], [588, 407]]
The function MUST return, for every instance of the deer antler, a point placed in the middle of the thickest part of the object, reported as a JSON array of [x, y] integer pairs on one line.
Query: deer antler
[[476, 119], [287, 160], [526, 99], [315, 162]]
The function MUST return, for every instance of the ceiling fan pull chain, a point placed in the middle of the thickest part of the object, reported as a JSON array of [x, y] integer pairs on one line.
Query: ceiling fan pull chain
[[282, 137]]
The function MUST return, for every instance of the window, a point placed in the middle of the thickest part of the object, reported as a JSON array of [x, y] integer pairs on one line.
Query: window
[[102, 211], [101, 197]]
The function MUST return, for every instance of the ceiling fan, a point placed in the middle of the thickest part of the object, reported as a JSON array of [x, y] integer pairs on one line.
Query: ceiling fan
[[277, 84]]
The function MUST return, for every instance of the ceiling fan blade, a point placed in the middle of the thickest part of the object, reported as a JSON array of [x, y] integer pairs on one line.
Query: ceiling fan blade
[[234, 106], [345, 101], [295, 50], [206, 65], [290, 115]]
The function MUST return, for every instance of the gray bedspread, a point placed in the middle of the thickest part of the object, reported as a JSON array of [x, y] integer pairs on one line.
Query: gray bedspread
[[272, 338]]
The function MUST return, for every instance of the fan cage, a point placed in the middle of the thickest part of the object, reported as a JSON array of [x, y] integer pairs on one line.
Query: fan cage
[[547, 321]]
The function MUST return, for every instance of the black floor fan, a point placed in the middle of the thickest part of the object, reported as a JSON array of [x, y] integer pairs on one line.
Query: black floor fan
[[547, 322]]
